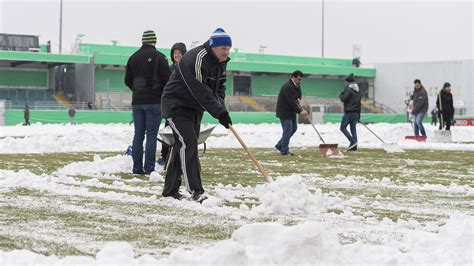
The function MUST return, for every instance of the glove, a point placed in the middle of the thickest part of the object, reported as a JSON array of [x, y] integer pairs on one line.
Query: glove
[[224, 119]]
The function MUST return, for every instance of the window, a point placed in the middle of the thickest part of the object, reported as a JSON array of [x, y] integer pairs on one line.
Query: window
[[242, 85]]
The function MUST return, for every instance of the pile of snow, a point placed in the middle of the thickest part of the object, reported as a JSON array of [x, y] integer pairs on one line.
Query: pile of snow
[[309, 243], [98, 167], [287, 195], [156, 177], [39, 138]]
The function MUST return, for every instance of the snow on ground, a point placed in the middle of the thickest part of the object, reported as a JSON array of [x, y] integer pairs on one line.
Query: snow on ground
[[313, 240], [91, 137], [311, 243]]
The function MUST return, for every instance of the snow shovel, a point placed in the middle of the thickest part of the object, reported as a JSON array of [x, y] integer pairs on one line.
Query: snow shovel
[[262, 170], [442, 135], [325, 149], [388, 147]]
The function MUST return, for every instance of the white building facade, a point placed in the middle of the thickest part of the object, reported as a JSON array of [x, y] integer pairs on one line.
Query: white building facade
[[394, 83]]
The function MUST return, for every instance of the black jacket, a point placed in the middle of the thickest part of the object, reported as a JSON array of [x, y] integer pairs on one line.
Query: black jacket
[[351, 98], [196, 84], [177, 46], [420, 101], [287, 103], [146, 74], [26, 113], [446, 106]]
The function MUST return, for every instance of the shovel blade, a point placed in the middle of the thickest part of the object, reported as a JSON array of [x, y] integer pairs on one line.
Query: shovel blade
[[329, 150]]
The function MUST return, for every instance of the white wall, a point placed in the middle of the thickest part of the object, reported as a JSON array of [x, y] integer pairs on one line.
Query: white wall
[[394, 81]]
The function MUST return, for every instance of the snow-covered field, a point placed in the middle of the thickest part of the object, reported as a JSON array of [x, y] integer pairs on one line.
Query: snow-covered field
[[368, 207], [60, 138]]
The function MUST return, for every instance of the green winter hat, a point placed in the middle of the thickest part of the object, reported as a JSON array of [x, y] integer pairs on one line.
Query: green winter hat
[[149, 37]]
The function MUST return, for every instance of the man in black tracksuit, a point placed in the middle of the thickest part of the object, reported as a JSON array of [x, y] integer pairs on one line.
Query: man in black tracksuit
[[351, 97], [146, 74], [196, 85]]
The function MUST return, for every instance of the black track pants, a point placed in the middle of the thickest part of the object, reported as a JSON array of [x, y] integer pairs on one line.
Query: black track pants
[[184, 158]]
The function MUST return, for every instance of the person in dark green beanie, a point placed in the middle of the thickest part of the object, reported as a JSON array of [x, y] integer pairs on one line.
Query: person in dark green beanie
[[146, 74]]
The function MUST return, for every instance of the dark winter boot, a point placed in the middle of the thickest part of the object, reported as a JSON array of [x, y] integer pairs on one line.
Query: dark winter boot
[[198, 197]]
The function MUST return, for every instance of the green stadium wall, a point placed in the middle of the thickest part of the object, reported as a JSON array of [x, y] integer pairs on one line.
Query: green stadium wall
[[262, 85], [269, 85], [23, 79], [107, 80]]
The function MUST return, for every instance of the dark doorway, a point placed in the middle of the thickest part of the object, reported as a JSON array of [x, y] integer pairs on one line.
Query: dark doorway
[[364, 89], [242, 85]]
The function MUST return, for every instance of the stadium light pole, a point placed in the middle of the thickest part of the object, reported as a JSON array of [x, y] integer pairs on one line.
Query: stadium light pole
[[60, 26], [322, 30]]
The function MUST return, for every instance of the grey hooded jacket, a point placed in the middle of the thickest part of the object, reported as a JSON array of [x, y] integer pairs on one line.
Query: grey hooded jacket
[[351, 98]]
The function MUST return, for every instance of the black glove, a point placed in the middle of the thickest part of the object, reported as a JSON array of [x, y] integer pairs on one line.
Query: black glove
[[224, 119]]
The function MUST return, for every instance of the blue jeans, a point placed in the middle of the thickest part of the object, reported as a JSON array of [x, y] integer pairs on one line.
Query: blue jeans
[[289, 128], [146, 118], [418, 125], [350, 118]]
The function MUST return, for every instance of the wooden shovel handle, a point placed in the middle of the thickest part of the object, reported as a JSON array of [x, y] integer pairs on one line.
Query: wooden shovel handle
[[265, 176]]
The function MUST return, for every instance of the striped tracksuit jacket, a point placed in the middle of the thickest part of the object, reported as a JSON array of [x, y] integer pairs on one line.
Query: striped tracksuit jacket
[[196, 85]]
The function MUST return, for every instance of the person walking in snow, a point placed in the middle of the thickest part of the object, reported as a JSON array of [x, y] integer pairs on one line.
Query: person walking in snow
[[288, 105], [351, 97], [177, 51], [420, 107], [72, 113], [196, 85], [434, 116], [146, 74], [444, 103], [26, 115]]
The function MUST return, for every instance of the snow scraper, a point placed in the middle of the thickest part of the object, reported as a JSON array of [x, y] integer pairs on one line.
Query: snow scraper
[[442, 135], [388, 147], [324, 148]]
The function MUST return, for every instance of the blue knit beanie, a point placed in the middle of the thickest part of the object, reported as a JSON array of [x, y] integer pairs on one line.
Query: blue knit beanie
[[220, 38]]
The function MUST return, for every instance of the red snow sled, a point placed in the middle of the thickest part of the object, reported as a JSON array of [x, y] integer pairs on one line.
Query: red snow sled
[[417, 138]]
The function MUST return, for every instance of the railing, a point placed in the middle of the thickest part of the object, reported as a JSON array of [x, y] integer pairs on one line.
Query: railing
[[381, 106], [233, 104], [45, 105]]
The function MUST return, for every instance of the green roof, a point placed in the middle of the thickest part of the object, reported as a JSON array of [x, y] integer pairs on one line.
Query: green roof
[[44, 57], [267, 63], [305, 68], [118, 55]]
